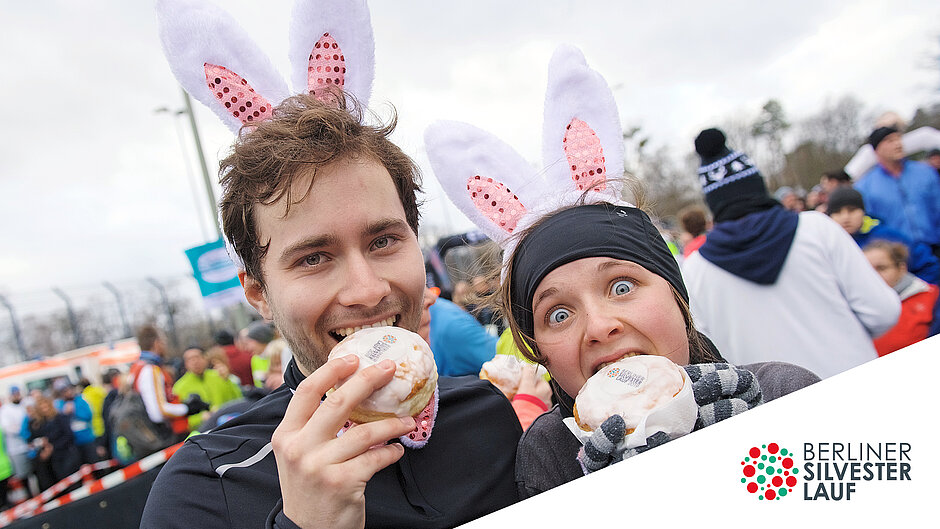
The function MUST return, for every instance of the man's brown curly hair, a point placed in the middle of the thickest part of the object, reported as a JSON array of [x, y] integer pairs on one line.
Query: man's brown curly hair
[[303, 136]]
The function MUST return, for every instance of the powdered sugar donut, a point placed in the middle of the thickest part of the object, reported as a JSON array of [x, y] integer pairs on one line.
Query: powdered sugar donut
[[415, 380], [504, 372], [630, 387]]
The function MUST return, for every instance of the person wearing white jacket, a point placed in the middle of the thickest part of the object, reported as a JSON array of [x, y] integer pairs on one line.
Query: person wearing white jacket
[[775, 285]]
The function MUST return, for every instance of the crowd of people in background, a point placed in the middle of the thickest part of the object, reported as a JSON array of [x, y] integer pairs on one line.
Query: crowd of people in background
[[892, 213], [48, 433]]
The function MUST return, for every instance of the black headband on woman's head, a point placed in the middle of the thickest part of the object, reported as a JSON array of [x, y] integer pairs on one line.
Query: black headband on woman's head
[[598, 230]]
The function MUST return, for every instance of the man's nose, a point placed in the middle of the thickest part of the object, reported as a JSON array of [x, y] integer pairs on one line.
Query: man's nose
[[363, 284]]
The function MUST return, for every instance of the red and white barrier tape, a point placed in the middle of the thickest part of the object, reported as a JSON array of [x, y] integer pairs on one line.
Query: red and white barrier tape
[[45, 502]]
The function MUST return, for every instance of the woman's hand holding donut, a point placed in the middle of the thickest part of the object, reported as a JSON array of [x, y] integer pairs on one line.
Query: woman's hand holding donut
[[323, 477]]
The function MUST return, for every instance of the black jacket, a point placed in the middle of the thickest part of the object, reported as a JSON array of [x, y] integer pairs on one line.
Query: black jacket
[[228, 477]]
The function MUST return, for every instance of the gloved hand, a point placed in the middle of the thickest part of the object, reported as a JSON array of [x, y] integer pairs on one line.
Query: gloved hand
[[195, 404], [605, 447], [721, 391]]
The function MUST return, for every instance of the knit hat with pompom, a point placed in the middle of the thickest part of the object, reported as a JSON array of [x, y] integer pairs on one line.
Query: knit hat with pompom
[[732, 184]]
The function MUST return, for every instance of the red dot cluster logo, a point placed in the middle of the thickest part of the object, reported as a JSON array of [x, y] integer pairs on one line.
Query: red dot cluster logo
[[388, 338], [769, 472]]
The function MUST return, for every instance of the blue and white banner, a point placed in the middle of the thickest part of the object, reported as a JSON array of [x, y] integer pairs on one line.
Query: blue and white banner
[[858, 449], [216, 275]]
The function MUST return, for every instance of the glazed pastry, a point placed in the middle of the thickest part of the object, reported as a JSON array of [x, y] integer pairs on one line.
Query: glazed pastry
[[504, 372], [415, 380], [631, 387]]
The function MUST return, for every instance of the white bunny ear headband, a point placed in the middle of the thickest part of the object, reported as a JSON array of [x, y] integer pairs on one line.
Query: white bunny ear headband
[[582, 144], [331, 45], [216, 62]]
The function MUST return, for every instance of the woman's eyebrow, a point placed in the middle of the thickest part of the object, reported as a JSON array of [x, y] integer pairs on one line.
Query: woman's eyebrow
[[614, 263], [542, 295]]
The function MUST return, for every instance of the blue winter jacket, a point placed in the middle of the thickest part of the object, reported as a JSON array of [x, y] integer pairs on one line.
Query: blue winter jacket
[[909, 203]]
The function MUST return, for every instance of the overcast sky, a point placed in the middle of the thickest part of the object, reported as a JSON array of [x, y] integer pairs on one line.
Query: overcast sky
[[95, 185]]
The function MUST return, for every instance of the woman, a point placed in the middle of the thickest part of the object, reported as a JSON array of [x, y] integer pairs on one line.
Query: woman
[[51, 434], [584, 286], [586, 277], [918, 298]]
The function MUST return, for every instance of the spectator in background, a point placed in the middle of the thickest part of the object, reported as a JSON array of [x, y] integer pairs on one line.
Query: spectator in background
[[79, 414], [832, 180], [274, 353], [481, 288], [918, 298], [770, 284], [461, 295], [847, 207], [933, 159], [829, 182], [12, 418], [789, 198], [150, 379], [257, 336], [112, 384], [57, 456], [695, 224], [903, 194], [94, 395], [239, 360], [459, 342], [917, 140], [218, 361], [205, 382], [6, 472]]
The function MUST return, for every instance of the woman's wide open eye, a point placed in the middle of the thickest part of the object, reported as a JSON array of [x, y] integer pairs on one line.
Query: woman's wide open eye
[[621, 287], [558, 315]]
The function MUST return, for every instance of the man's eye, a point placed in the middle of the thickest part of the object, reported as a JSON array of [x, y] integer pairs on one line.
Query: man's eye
[[558, 315], [622, 287], [381, 242], [312, 260]]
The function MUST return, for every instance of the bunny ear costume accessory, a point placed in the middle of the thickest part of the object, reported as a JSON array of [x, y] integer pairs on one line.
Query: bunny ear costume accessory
[[582, 145], [217, 63]]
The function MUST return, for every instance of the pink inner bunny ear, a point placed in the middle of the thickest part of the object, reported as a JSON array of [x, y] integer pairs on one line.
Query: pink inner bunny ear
[[585, 155], [238, 97], [496, 202], [326, 70]]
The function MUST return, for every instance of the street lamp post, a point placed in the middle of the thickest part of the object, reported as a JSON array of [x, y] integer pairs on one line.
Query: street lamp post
[[210, 192], [213, 205]]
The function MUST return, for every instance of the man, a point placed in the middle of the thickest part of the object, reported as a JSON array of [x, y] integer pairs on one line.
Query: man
[[254, 339], [154, 383], [327, 234], [695, 226], [12, 418], [239, 360], [903, 194], [847, 207], [199, 380], [771, 284]]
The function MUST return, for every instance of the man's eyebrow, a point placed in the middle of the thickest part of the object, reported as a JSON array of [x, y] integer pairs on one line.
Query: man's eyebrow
[[311, 243], [379, 226], [542, 295]]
